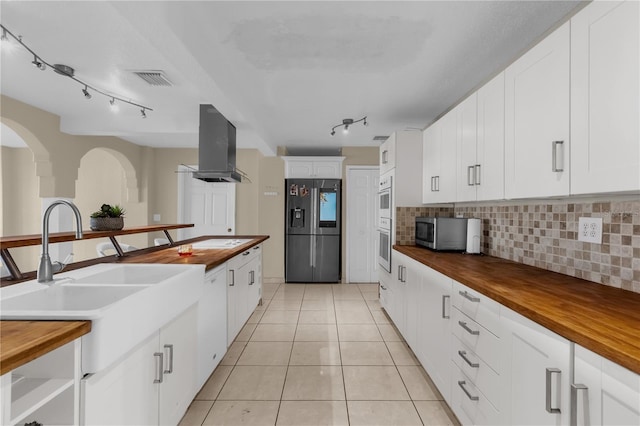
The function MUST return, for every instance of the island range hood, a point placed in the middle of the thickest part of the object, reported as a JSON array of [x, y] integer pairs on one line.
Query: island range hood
[[216, 147]]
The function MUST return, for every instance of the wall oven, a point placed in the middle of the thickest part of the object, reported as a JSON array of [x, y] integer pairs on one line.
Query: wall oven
[[384, 244], [384, 198]]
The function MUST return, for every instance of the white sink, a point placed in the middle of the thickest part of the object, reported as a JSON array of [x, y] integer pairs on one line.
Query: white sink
[[126, 303], [220, 243], [66, 300]]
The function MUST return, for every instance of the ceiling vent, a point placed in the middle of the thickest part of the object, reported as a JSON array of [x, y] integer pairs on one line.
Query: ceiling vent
[[154, 78], [380, 138]]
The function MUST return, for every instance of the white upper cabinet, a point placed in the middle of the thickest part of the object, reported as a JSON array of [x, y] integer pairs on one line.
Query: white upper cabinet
[[388, 154], [489, 172], [439, 160], [313, 167], [605, 107], [467, 163], [406, 161], [537, 145]]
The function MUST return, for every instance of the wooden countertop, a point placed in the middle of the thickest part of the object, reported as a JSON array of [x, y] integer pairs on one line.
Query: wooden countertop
[[24, 341], [60, 237], [603, 319], [209, 257]]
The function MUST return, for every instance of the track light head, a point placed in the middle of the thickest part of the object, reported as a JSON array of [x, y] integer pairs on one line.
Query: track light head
[[86, 93], [364, 123], [113, 105], [144, 114], [333, 132], [346, 129], [38, 63], [4, 37]]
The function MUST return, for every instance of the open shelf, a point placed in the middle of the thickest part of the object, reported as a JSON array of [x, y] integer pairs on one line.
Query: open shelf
[[30, 394]]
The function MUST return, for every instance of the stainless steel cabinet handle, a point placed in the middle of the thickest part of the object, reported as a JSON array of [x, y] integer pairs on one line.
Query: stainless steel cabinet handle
[[383, 287], [550, 371], [251, 277], [246, 253], [233, 278], [555, 157], [256, 248], [400, 273], [170, 369], [444, 313], [461, 383], [159, 356], [574, 402], [471, 171], [466, 327], [477, 173], [463, 355], [469, 297], [437, 183], [384, 156]]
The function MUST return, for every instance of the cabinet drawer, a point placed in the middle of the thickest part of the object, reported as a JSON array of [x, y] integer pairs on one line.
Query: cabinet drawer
[[469, 403], [483, 343], [480, 308], [478, 371]]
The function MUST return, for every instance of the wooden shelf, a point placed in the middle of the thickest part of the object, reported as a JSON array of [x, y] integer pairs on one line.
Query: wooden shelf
[[61, 237]]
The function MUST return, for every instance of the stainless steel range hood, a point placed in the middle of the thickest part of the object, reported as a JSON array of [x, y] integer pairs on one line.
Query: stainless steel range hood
[[216, 148]]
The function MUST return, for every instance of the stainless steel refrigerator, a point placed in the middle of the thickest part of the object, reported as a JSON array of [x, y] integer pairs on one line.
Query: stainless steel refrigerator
[[312, 230]]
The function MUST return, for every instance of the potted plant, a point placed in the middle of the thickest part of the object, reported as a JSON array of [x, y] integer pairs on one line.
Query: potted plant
[[108, 218]]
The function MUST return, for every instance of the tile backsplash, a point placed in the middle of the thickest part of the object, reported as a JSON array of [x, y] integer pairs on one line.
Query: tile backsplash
[[544, 235]]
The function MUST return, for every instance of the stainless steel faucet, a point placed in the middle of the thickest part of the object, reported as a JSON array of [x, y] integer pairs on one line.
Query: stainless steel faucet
[[46, 269]]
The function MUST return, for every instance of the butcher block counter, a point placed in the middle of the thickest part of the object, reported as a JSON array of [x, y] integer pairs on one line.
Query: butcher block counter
[[23, 341], [603, 319]]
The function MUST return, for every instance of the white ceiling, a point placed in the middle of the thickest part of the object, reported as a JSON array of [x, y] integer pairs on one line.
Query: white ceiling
[[283, 72]]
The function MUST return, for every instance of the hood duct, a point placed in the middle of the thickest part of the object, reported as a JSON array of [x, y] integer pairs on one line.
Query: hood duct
[[216, 147]]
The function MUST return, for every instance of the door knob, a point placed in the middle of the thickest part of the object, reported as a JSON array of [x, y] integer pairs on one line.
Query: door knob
[[229, 229]]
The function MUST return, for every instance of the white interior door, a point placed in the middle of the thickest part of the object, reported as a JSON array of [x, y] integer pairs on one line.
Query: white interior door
[[362, 241], [210, 206]]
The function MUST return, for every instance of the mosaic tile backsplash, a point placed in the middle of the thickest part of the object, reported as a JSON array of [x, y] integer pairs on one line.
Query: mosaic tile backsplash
[[545, 236]]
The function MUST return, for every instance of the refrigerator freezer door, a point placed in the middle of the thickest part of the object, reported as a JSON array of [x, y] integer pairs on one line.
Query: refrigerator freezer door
[[327, 259], [327, 198], [299, 207], [299, 263]]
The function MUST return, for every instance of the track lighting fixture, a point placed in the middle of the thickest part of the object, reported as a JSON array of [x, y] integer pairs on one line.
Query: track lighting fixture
[[67, 71], [346, 123], [86, 93], [113, 105]]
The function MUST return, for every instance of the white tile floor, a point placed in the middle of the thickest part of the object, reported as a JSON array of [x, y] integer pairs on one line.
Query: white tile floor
[[319, 354]]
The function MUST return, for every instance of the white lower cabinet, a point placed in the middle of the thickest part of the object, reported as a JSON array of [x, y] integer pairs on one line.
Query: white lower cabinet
[[154, 384], [434, 328], [44, 390], [538, 373], [603, 393], [244, 289]]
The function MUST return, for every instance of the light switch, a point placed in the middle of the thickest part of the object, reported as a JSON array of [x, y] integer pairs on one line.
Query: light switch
[[156, 217]]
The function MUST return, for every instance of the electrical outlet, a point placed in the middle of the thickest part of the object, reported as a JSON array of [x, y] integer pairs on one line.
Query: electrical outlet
[[590, 229]]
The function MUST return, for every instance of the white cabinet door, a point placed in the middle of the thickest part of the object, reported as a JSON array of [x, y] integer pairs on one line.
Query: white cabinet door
[[605, 110], [299, 169], [489, 177], [537, 120], [327, 169], [124, 394], [412, 283], [254, 292], [439, 154], [236, 297], [539, 373], [603, 392], [467, 120], [388, 154], [430, 162], [434, 328], [178, 343]]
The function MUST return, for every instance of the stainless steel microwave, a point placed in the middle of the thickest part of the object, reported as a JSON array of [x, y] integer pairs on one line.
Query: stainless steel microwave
[[442, 233]]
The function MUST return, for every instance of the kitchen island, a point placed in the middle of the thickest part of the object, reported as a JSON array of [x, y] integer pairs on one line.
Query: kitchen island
[[184, 334]]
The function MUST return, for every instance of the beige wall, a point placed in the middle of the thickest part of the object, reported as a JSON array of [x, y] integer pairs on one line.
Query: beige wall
[[141, 179]]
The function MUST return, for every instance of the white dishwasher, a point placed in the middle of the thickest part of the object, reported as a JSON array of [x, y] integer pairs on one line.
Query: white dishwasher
[[212, 322]]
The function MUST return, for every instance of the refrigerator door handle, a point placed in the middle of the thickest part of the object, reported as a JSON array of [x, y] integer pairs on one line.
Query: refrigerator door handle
[[312, 250]]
